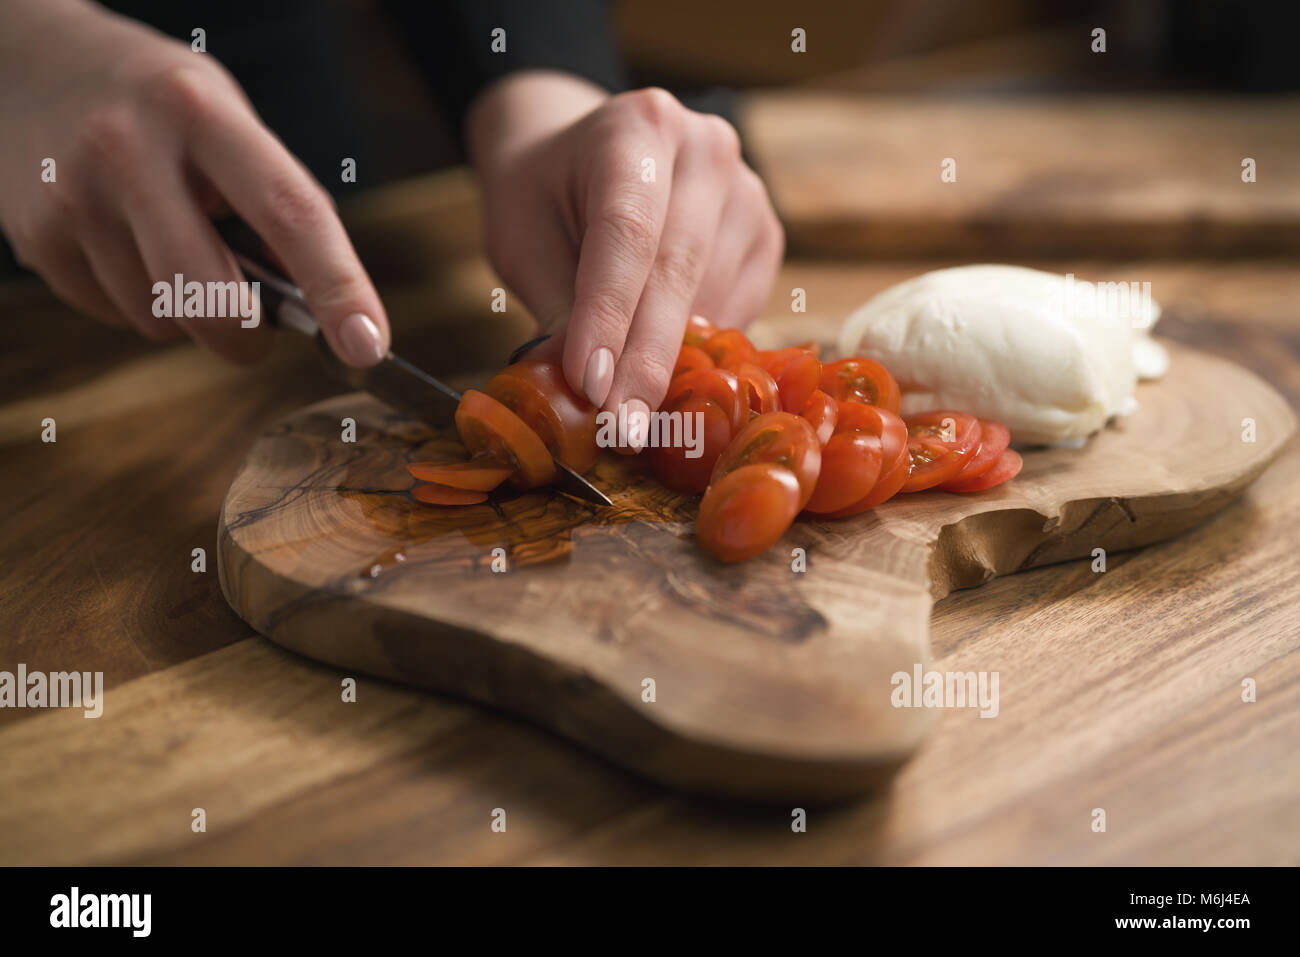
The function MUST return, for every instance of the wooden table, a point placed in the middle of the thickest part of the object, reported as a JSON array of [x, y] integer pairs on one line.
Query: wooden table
[[1119, 690]]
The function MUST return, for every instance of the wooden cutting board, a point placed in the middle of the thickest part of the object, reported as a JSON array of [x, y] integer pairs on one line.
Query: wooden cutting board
[[768, 683]]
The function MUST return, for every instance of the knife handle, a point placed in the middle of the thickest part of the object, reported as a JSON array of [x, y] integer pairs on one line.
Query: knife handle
[[282, 303]]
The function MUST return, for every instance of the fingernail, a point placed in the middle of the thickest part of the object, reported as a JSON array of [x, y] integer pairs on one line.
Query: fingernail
[[638, 424], [360, 341], [599, 376]]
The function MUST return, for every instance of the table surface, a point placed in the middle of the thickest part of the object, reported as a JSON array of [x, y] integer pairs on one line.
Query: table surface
[[1120, 690]]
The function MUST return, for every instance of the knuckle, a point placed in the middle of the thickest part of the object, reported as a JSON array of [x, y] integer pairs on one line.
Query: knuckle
[[108, 134], [295, 206], [606, 317], [720, 139], [185, 91], [337, 291], [656, 107], [677, 268], [649, 377], [633, 226]]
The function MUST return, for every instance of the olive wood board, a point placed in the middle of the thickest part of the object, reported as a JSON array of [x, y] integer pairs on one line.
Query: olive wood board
[[611, 627]]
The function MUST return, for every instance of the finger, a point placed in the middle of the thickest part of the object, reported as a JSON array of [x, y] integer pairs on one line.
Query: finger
[[694, 212], [61, 263], [538, 265], [110, 249], [278, 198], [174, 238], [625, 217], [753, 283], [739, 233]]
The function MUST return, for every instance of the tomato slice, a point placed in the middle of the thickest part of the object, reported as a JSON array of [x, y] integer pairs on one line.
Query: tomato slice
[[446, 495], [691, 358], [720, 386], [821, 411], [476, 475], [537, 392], [940, 444], [1006, 467], [850, 468], [994, 439], [779, 438], [760, 388], [858, 379], [896, 463], [671, 464], [729, 348], [774, 360], [488, 428], [698, 331], [798, 380], [747, 510]]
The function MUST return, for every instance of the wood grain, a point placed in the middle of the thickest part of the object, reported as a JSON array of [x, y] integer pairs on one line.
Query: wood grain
[[1120, 690], [769, 684], [854, 175]]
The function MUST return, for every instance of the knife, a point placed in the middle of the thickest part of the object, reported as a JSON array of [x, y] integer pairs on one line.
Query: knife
[[393, 381]]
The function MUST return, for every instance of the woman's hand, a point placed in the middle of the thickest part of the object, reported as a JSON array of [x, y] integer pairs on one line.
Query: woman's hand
[[614, 218], [148, 140]]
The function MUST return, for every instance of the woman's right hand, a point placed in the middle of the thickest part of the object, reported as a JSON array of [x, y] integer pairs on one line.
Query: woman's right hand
[[148, 140]]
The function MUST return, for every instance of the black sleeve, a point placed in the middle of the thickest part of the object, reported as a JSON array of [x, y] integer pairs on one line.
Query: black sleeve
[[452, 43]]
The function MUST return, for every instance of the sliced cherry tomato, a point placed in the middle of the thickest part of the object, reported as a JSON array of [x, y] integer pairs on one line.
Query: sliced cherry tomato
[[476, 475], [729, 348], [774, 360], [1006, 467], [446, 495], [896, 463], [746, 511], [940, 444], [698, 331], [821, 411], [690, 359], [488, 428], [779, 438], [861, 380], [850, 468], [760, 388], [537, 392], [797, 380], [994, 439], [712, 432], [720, 386]]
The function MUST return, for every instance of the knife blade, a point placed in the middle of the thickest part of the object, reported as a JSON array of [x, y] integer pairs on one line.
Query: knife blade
[[394, 380]]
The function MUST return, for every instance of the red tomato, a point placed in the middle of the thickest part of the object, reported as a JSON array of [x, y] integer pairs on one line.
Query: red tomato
[[691, 358], [779, 438], [670, 464], [488, 428], [821, 410], [476, 475], [850, 468], [720, 386], [896, 463], [994, 439], [760, 388], [861, 380], [940, 444], [1006, 467], [698, 331], [746, 511], [729, 348], [536, 391], [774, 360], [446, 495], [798, 380]]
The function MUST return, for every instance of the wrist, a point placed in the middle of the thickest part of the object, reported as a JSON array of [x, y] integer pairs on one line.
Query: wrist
[[521, 109]]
